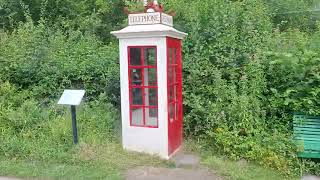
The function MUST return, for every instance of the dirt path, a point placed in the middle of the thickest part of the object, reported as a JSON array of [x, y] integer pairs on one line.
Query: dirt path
[[187, 168], [151, 173]]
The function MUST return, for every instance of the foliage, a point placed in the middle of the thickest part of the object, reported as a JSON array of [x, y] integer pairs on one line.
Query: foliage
[[240, 169], [243, 79], [95, 16], [294, 57], [301, 14], [34, 131], [292, 73], [219, 69], [224, 78], [46, 60]]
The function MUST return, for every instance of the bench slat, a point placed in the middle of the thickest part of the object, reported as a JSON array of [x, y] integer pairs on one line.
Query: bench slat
[[301, 116], [302, 139], [307, 124], [307, 154], [305, 129], [312, 146], [302, 143], [306, 136], [305, 121]]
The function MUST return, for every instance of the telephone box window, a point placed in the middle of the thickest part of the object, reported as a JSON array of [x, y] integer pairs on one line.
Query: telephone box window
[[137, 96], [137, 116], [135, 57], [152, 77], [150, 57], [143, 87], [136, 76], [172, 84], [153, 97]]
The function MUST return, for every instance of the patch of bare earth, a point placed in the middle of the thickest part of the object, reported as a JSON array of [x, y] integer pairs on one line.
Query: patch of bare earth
[[152, 173], [187, 168]]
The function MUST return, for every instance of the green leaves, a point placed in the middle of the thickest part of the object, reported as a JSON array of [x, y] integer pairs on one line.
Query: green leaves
[[47, 61], [243, 79], [34, 131], [300, 14], [294, 79], [222, 67]]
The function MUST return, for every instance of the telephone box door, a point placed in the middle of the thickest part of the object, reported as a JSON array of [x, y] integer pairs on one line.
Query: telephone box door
[[174, 78]]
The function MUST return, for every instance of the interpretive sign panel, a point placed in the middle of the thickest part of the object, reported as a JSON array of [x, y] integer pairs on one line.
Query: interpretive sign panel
[[71, 97]]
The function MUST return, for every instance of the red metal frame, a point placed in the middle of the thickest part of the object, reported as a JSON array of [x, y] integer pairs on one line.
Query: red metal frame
[[175, 127], [142, 86]]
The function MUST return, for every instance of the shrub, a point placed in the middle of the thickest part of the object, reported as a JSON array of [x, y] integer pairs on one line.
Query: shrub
[[243, 80], [46, 61], [33, 131]]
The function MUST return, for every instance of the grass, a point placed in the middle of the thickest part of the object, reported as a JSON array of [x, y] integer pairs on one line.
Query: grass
[[241, 170], [57, 171], [109, 161], [233, 170], [100, 162]]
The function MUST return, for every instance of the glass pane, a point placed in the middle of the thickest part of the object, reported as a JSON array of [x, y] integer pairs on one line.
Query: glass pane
[[137, 116], [172, 93], [136, 77], [172, 74], [171, 112], [176, 110], [136, 95], [151, 116], [135, 57], [170, 56], [174, 56], [150, 77], [150, 56], [151, 97]]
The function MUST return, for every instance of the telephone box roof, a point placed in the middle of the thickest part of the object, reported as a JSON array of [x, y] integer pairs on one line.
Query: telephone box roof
[[149, 25]]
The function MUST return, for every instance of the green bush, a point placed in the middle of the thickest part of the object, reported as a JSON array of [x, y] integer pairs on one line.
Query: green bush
[[293, 73], [222, 65], [243, 80], [97, 17], [33, 131], [46, 61]]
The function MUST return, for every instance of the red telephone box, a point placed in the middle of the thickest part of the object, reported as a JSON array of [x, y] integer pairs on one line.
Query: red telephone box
[[151, 84]]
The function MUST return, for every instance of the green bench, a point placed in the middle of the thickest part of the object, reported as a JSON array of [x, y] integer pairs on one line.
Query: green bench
[[307, 135]]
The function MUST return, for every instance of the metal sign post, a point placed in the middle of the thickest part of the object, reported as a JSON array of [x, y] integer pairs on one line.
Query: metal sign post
[[74, 124], [73, 98]]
